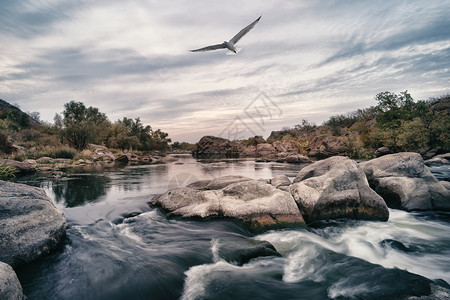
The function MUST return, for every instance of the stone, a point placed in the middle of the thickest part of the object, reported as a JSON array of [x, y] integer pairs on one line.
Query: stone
[[431, 153], [32, 162], [44, 169], [336, 188], [216, 147], [124, 158], [221, 182], [294, 158], [404, 182], [285, 146], [441, 159], [323, 146], [281, 181], [10, 288], [437, 161], [45, 160], [199, 185], [383, 151], [446, 184], [266, 151], [241, 250], [258, 205], [249, 151], [21, 167], [30, 225]]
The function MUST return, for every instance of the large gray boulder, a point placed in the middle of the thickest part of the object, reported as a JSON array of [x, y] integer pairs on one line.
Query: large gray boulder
[[336, 188], [10, 288], [404, 182], [30, 225], [257, 204]]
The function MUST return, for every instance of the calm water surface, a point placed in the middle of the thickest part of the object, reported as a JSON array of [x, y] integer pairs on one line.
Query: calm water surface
[[109, 254]]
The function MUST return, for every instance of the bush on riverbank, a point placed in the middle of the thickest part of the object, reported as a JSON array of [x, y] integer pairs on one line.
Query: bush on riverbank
[[396, 122]]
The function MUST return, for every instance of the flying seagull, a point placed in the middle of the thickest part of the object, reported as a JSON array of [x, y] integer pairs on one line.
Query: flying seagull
[[230, 44]]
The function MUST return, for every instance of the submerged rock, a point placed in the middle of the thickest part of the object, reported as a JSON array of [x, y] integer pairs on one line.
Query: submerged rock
[[241, 250], [30, 225], [404, 182], [10, 288], [336, 188], [257, 204]]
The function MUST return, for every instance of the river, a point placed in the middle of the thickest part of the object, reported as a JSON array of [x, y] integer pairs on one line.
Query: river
[[108, 254]]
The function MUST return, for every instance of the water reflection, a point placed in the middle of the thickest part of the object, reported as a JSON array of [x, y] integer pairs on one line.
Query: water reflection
[[80, 189]]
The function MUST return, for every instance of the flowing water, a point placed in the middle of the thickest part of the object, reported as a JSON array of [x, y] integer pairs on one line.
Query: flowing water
[[118, 247]]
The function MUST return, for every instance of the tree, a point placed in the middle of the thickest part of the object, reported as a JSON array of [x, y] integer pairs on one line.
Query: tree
[[83, 125], [392, 109]]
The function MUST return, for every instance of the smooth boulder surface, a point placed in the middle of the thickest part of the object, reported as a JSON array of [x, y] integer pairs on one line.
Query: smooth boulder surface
[[10, 288], [281, 182], [217, 183], [336, 188], [404, 182], [30, 225], [257, 204]]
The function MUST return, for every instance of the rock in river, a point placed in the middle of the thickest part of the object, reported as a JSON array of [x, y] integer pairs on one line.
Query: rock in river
[[10, 288], [404, 182], [336, 188], [241, 250], [259, 205], [30, 225]]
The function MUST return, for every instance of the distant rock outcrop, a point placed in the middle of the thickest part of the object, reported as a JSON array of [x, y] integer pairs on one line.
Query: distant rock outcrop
[[30, 225], [404, 182], [279, 151], [323, 146], [216, 147], [336, 188]]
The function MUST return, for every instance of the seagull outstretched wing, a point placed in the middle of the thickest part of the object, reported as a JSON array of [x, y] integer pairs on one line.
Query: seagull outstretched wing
[[241, 33], [209, 48]]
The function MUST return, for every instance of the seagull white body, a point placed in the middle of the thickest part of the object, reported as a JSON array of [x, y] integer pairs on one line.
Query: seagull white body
[[230, 45]]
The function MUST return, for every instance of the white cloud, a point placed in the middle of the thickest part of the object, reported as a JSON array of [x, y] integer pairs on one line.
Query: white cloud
[[314, 59]]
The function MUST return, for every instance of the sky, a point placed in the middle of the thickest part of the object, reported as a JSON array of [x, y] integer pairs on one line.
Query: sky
[[303, 60]]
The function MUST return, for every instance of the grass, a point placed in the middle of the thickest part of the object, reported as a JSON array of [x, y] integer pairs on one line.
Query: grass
[[53, 152], [6, 171]]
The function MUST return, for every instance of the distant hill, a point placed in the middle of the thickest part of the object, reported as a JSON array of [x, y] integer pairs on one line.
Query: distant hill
[[17, 118]]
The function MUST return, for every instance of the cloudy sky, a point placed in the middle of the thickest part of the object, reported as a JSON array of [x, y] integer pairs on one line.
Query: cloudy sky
[[303, 60]]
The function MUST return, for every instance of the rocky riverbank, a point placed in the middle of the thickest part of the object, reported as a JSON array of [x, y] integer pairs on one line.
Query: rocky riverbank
[[98, 156], [333, 188]]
